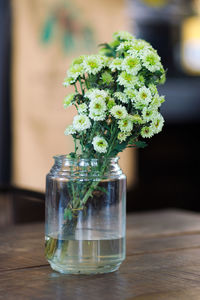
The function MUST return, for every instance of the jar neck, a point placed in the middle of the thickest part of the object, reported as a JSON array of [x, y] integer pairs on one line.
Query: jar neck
[[101, 168]]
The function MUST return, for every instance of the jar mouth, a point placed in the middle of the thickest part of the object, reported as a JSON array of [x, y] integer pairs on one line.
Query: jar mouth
[[63, 158]]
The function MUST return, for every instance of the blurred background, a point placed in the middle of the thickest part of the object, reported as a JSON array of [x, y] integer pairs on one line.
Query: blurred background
[[38, 41]]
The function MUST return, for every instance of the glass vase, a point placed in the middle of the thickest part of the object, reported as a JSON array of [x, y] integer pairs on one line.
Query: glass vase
[[85, 215]]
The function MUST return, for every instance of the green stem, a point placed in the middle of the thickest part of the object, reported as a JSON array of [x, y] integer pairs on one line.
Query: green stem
[[113, 139], [64, 248], [75, 88], [95, 183], [81, 141], [50, 248], [82, 90], [85, 82], [75, 144], [76, 106]]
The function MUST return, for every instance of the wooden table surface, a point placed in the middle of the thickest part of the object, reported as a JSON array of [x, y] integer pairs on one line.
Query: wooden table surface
[[163, 262]]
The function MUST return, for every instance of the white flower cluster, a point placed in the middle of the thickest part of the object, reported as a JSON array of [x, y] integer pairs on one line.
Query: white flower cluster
[[118, 100], [97, 105], [138, 55], [85, 64]]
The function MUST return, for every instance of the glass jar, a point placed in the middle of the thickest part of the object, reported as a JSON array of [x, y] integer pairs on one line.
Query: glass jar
[[85, 215]]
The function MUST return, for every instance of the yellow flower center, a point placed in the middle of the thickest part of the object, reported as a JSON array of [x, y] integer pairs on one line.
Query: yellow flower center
[[92, 64], [97, 106], [143, 95], [132, 63], [119, 113], [125, 123], [81, 121]]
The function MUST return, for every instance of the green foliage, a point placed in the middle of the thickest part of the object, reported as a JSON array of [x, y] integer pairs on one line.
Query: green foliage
[[68, 214], [140, 144], [118, 148]]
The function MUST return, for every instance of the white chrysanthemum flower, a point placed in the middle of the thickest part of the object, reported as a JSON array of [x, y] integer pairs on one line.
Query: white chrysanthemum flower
[[147, 132], [151, 60], [118, 112], [94, 94], [122, 136], [68, 100], [127, 80], [153, 89], [79, 60], [100, 144], [104, 59], [144, 95], [121, 96], [148, 114], [75, 71], [123, 35], [157, 101], [130, 93], [97, 117], [97, 106], [68, 81], [81, 122], [139, 45], [157, 123], [93, 64], [131, 65], [99, 94], [70, 130], [89, 93], [82, 108], [125, 125], [116, 64], [125, 46]]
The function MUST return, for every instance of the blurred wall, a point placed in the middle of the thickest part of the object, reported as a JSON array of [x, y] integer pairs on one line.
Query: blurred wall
[[47, 35]]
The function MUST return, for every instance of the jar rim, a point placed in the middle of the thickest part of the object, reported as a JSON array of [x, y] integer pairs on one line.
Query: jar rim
[[63, 157]]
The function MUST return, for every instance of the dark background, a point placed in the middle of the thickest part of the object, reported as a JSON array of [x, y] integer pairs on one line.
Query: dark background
[[168, 169]]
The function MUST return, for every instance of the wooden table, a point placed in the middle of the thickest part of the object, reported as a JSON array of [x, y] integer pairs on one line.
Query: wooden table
[[163, 262]]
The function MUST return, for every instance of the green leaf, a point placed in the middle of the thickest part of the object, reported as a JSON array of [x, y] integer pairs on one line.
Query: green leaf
[[140, 144], [118, 148], [71, 155], [105, 45]]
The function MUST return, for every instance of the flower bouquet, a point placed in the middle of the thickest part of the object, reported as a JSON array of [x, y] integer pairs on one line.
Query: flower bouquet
[[117, 103]]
